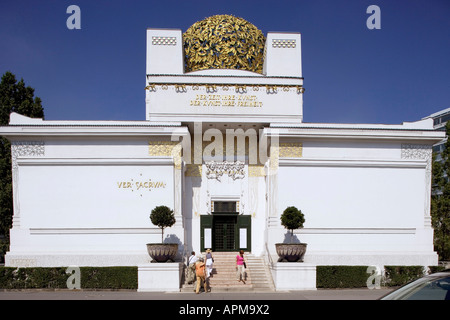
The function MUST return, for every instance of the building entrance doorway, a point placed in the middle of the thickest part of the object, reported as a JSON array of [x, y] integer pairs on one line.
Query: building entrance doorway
[[224, 233], [225, 229]]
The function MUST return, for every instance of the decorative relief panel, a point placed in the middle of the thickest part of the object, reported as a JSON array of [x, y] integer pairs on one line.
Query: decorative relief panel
[[291, 150], [422, 152], [226, 90], [256, 171], [166, 149], [26, 149], [215, 170], [283, 43], [164, 41], [417, 151], [22, 149], [161, 148], [284, 150]]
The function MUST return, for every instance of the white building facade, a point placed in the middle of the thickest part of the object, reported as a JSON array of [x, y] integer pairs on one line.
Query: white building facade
[[226, 149]]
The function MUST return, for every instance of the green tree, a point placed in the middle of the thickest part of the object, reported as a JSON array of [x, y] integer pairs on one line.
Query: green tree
[[14, 97], [291, 219], [162, 217], [440, 201]]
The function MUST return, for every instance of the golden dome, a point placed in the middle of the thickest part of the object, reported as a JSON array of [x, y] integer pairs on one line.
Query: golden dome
[[224, 42]]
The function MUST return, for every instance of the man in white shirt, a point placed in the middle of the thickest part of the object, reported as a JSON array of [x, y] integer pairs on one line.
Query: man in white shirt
[[191, 267]]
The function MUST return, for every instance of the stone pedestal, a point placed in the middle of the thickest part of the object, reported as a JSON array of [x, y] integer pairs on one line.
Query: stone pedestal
[[165, 277], [294, 276]]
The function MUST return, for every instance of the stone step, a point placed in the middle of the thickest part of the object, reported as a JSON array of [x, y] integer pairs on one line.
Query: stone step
[[260, 274], [223, 276]]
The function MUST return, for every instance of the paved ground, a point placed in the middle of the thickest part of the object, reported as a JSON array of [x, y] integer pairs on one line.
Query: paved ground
[[321, 294]]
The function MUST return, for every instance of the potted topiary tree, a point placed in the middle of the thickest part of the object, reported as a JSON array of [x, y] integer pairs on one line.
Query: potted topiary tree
[[291, 219], [162, 217]]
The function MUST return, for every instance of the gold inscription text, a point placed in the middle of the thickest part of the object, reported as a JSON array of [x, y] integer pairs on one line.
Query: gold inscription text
[[225, 100], [137, 185]]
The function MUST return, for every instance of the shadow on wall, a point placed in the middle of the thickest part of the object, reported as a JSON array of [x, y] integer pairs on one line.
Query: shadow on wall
[[172, 238], [288, 238]]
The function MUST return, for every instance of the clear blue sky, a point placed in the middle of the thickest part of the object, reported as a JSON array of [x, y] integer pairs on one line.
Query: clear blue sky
[[352, 74]]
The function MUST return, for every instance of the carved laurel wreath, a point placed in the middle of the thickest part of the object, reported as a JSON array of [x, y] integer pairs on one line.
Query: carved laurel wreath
[[225, 42]]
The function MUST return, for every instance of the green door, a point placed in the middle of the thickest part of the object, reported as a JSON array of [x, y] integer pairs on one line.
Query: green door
[[224, 230]]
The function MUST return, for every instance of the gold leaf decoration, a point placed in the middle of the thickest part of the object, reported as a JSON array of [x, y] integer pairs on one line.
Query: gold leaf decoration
[[224, 42], [291, 150]]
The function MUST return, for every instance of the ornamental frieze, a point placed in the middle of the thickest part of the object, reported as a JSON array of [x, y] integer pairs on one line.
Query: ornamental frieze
[[234, 169], [419, 152], [26, 149]]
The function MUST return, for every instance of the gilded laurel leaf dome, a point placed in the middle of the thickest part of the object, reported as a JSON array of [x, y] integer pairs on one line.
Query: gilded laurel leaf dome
[[224, 42]]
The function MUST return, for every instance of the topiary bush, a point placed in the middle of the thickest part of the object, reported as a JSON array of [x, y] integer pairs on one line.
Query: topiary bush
[[162, 217], [292, 218]]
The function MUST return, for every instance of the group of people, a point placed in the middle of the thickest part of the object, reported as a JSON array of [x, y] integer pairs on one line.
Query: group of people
[[201, 270]]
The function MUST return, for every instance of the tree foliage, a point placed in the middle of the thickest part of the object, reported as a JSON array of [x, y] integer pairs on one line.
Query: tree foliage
[[292, 218], [14, 97], [440, 201], [162, 217]]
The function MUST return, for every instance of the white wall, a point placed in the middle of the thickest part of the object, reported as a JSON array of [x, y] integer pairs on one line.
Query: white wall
[[283, 54], [92, 196], [357, 216], [87, 201], [363, 203], [164, 51], [353, 197]]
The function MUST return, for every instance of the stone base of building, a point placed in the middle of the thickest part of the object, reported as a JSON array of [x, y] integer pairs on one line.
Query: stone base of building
[[106, 259], [165, 277], [373, 258], [294, 276], [94, 259]]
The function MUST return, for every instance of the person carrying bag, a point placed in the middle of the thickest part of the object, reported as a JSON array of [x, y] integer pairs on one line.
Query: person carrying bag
[[200, 272]]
